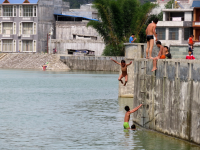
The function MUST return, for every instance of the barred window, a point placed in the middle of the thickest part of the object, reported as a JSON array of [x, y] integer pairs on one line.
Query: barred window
[[28, 28], [173, 33], [187, 33], [7, 11], [7, 45], [27, 45], [35, 11], [7, 28], [161, 32], [28, 11], [15, 11]]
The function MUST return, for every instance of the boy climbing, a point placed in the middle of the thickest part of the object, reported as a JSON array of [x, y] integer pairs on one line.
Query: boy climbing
[[150, 32], [127, 115], [124, 70]]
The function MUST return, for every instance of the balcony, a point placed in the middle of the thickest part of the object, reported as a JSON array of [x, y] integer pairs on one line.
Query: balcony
[[174, 24], [196, 24]]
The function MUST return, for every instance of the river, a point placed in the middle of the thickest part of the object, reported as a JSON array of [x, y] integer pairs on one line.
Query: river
[[44, 110]]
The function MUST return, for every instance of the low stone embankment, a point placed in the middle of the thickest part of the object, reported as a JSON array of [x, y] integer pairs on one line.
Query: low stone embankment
[[91, 63], [32, 61], [170, 96]]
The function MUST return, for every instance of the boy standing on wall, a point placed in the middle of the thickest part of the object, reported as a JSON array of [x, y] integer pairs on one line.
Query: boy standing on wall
[[124, 70], [161, 55], [127, 115], [150, 31]]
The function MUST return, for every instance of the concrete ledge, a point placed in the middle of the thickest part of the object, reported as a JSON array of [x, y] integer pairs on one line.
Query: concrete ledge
[[127, 96]]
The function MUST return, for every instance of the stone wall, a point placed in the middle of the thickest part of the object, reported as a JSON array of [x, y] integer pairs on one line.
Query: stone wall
[[170, 96], [91, 63], [62, 46]]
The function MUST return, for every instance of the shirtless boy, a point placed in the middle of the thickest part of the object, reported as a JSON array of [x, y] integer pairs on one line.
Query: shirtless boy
[[124, 70], [127, 115], [150, 31], [161, 53]]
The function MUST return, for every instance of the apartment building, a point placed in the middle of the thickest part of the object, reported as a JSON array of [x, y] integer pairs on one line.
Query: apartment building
[[176, 26], [18, 25]]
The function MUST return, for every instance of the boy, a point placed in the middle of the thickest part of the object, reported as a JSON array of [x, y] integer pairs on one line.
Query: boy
[[191, 42], [132, 39], [127, 115], [161, 53], [133, 127], [190, 56], [124, 70], [150, 31]]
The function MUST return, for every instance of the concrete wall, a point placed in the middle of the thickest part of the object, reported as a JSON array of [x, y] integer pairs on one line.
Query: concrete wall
[[91, 63], [66, 29], [62, 46], [170, 97], [46, 20]]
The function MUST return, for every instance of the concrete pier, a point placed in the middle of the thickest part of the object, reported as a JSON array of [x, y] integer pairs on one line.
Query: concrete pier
[[170, 95]]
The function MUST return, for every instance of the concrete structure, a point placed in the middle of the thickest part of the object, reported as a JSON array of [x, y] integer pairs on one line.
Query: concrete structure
[[72, 33], [176, 26], [18, 25], [24, 24], [170, 97], [91, 63], [46, 20]]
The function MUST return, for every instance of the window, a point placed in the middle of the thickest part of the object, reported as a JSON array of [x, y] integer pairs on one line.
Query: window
[[7, 45], [0, 29], [161, 33], [0, 10], [35, 11], [173, 34], [20, 11], [28, 11], [15, 11], [187, 33], [20, 46], [28, 28], [14, 45], [34, 46], [8, 28], [7, 11], [35, 27], [27, 45], [14, 28], [0, 46], [20, 28]]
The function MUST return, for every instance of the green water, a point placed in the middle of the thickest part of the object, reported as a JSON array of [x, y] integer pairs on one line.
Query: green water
[[70, 110]]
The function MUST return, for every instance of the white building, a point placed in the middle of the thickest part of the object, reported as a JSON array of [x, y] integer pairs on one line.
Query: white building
[[176, 26]]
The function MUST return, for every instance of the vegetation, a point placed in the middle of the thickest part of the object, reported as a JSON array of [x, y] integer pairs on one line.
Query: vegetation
[[169, 4], [119, 19]]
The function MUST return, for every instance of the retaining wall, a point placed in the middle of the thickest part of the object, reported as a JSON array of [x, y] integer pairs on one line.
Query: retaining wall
[[91, 63], [170, 96]]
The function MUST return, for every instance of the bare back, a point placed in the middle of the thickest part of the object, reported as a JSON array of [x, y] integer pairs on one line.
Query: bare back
[[151, 29], [127, 117], [162, 51]]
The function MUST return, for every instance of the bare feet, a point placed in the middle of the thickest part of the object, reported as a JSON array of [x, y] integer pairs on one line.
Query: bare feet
[[125, 83], [147, 57], [121, 81], [150, 57], [154, 69]]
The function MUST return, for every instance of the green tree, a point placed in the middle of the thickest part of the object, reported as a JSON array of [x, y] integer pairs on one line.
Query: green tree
[[118, 20]]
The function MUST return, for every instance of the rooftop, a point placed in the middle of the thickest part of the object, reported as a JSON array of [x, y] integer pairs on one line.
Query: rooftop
[[196, 4], [176, 10], [18, 1]]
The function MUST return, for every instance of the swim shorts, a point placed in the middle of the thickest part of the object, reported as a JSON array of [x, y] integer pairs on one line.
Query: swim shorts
[[126, 125], [149, 37]]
